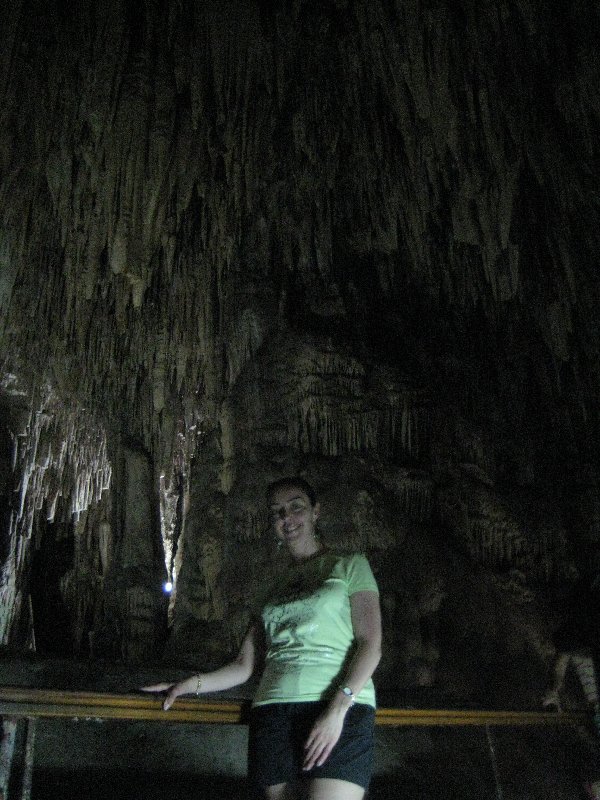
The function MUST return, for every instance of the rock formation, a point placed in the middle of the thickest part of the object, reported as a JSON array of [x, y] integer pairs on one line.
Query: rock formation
[[353, 239]]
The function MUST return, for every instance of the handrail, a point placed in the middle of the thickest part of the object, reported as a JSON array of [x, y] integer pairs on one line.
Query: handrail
[[26, 702]]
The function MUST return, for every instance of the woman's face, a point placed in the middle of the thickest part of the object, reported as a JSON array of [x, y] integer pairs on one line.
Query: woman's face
[[293, 517]]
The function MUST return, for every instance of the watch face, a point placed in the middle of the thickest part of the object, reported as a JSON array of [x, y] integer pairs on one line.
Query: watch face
[[347, 691]]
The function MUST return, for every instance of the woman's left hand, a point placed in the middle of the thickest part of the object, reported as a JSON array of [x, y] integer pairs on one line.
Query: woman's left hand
[[323, 738]]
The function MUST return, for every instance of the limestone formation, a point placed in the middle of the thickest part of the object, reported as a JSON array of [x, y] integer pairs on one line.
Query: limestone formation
[[354, 239]]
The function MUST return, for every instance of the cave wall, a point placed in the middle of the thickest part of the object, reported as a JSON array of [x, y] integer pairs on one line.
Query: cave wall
[[353, 239]]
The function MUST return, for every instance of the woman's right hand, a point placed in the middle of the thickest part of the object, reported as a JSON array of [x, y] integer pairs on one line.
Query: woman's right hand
[[173, 691], [232, 674]]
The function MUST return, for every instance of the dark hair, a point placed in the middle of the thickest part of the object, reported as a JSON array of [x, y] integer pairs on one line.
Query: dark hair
[[291, 482]]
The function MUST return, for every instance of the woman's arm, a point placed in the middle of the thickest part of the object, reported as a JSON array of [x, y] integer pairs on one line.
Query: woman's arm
[[366, 622], [226, 677]]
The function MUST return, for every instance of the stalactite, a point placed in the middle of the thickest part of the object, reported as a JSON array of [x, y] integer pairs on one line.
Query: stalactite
[[415, 493], [504, 537], [59, 453], [243, 343], [79, 471], [404, 423], [10, 574], [188, 191], [169, 501], [323, 401], [409, 74], [160, 373], [128, 163], [324, 426], [174, 488]]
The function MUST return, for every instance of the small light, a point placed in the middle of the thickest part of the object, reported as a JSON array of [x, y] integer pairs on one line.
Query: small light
[[168, 587]]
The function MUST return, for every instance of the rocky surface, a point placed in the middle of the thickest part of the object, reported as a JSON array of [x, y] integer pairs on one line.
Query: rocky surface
[[355, 240]]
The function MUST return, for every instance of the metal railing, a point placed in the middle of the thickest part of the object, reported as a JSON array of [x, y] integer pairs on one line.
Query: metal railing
[[33, 703]]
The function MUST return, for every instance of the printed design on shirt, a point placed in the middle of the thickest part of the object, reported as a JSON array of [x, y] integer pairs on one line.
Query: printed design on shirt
[[298, 586], [294, 609]]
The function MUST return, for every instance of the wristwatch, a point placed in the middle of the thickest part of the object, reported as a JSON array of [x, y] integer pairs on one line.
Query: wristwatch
[[348, 692]]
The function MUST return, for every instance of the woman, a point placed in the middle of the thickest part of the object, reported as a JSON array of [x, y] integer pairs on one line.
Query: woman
[[313, 713]]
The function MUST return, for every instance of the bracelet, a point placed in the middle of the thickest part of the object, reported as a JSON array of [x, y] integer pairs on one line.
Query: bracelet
[[198, 684]]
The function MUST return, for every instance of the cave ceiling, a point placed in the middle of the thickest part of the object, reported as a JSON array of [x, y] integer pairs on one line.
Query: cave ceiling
[[339, 227], [178, 179]]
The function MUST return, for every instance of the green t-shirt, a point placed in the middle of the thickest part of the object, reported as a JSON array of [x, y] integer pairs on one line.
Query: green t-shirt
[[308, 629]]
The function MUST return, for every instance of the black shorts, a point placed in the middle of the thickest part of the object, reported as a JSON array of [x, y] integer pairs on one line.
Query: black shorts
[[278, 732]]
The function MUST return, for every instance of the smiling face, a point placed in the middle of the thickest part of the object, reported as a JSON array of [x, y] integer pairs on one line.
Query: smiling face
[[294, 520]]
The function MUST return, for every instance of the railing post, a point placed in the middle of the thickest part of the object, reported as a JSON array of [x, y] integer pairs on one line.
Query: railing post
[[29, 754], [7, 750], [492, 750]]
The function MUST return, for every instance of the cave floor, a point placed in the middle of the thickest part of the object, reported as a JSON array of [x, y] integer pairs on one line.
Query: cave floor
[[429, 764], [118, 785]]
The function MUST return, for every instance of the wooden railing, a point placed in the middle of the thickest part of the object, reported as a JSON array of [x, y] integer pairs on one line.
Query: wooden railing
[[33, 703]]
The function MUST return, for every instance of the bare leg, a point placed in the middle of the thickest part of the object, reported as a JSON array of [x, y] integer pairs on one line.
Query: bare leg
[[333, 789], [281, 791]]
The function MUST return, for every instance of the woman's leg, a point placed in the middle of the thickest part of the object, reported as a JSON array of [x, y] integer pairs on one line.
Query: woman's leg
[[281, 791], [334, 789]]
